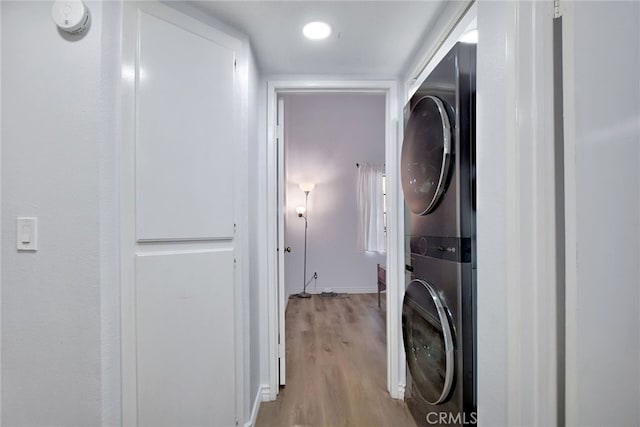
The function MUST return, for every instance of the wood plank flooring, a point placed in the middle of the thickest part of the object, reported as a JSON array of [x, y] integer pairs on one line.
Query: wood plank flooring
[[336, 367]]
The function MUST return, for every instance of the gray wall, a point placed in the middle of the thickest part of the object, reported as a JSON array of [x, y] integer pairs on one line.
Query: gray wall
[[603, 343], [325, 136], [53, 132]]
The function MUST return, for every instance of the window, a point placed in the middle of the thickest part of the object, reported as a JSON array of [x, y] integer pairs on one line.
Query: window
[[372, 208]]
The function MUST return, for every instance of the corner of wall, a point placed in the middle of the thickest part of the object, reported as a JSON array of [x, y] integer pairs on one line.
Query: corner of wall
[[111, 62], [262, 395], [1, 7]]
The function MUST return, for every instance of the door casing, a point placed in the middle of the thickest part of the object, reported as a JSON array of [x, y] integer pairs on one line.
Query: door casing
[[396, 367]]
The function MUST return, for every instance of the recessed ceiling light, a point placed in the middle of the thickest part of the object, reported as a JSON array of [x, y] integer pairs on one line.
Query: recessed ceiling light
[[470, 36], [316, 30]]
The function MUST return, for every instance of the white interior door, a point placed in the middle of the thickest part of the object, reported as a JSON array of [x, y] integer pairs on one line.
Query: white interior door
[[178, 240], [282, 295]]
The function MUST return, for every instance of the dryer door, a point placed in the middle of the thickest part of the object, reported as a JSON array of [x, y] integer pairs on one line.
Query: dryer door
[[428, 342], [426, 155]]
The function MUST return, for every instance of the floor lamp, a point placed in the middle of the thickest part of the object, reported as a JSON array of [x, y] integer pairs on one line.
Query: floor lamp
[[302, 213]]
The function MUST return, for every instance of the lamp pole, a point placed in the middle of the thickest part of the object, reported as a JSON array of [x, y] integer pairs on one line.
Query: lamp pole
[[302, 213], [304, 293]]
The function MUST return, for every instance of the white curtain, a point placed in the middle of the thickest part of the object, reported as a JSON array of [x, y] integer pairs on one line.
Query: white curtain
[[371, 236]]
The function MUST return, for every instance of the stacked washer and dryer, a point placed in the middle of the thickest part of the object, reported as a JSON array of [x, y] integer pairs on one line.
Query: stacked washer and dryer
[[438, 181]]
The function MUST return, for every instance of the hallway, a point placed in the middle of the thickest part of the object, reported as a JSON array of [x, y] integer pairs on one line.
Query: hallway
[[336, 373]]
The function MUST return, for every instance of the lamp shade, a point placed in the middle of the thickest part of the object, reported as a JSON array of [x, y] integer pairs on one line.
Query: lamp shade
[[307, 186], [300, 210]]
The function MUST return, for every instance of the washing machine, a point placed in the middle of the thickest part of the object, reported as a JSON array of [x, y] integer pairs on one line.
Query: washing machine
[[438, 182]]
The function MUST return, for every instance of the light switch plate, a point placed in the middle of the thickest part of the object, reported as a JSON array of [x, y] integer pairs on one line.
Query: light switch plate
[[27, 233]]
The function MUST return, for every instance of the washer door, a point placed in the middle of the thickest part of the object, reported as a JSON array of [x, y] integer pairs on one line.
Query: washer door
[[428, 342], [426, 155]]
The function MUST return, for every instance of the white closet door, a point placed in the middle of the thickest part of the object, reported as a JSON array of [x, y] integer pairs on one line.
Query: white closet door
[[184, 314], [184, 155], [179, 297]]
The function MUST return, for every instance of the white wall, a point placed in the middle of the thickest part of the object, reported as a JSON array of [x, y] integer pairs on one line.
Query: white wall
[[325, 136], [52, 137], [255, 291], [603, 213], [109, 243], [492, 296], [260, 244], [60, 306]]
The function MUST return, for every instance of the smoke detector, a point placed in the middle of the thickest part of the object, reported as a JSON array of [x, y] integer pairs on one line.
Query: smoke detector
[[71, 16]]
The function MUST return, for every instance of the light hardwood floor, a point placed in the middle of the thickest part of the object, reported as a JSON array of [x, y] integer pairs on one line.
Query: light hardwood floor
[[336, 367]]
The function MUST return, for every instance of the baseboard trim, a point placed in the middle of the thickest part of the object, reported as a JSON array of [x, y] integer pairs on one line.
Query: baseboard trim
[[266, 393], [260, 397], [401, 391], [341, 290]]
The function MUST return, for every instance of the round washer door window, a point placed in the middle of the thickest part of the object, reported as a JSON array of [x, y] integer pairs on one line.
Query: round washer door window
[[426, 155], [428, 342]]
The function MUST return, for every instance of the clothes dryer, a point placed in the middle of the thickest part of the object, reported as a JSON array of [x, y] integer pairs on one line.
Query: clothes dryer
[[438, 181]]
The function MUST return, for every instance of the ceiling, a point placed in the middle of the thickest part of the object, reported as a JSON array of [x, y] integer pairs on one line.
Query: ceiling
[[369, 38]]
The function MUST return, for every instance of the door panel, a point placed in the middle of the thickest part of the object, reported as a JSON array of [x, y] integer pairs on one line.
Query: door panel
[[180, 303], [184, 331], [184, 160]]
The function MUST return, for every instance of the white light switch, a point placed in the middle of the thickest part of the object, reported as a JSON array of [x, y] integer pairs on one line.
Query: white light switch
[[27, 233]]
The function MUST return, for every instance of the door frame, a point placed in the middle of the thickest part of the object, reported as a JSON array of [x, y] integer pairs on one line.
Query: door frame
[[517, 276], [396, 368]]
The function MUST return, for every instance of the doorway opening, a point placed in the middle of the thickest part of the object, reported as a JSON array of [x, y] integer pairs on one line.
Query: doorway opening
[[331, 146], [279, 289], [331, 143]]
